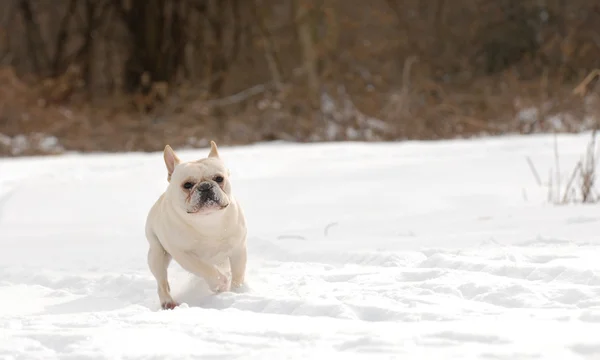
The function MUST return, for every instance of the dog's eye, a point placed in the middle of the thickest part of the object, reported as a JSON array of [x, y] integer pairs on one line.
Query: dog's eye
[[219, 179], [188, 185]]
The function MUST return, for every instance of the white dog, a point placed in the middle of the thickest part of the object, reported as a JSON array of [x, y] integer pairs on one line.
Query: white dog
[[197, 222]]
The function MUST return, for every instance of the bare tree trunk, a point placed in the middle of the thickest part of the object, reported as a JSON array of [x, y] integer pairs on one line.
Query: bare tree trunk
[[158, 37], [305, 35], [34, 38], [63, 34], [267, 41], [218, 60], [8, 9]]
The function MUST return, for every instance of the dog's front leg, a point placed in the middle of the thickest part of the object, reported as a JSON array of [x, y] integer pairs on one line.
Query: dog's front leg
[[217, 281], [158, 261], [238, 265]]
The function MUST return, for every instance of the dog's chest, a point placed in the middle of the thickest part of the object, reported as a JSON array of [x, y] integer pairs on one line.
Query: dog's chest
[[213, 248], [214, 252]]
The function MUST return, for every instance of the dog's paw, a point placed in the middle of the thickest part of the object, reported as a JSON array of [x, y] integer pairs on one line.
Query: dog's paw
[[239, 287], [236, 283], [221, 284], [169, 305]]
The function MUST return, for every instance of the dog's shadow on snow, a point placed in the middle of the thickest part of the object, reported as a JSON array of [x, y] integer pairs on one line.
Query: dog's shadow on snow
[[196, 293]]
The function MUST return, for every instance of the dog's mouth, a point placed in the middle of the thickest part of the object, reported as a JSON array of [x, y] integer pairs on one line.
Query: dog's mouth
[[207, 210]]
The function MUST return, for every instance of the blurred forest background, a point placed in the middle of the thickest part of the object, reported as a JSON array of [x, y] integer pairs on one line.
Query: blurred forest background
[[133, 75]]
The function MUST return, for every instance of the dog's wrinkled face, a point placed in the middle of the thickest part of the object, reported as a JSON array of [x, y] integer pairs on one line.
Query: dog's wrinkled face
[[197, 187]]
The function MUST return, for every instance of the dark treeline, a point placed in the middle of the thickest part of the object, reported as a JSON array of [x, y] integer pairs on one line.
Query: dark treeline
[[249, 70]]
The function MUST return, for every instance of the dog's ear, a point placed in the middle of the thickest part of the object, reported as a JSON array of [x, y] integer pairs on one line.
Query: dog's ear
[[171, 160], [214, 152]]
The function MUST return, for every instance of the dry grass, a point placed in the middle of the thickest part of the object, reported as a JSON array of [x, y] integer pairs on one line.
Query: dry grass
[[580, 185]]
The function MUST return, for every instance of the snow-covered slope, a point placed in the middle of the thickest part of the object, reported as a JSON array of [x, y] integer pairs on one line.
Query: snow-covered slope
[[445, 250]]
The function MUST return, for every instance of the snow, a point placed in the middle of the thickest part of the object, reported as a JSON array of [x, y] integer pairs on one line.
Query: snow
[[412, 250]]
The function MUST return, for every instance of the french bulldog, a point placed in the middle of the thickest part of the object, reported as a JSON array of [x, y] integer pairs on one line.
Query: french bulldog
[[198, 223]]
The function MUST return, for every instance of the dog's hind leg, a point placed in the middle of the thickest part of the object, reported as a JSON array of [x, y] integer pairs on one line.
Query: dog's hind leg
[[158, 261], [238, 266]]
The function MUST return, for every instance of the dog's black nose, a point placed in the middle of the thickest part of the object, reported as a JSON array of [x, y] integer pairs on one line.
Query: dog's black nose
[[205, 186]]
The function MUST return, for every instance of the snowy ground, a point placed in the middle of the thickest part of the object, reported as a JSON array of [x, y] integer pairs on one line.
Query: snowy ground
[[444, 250]]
